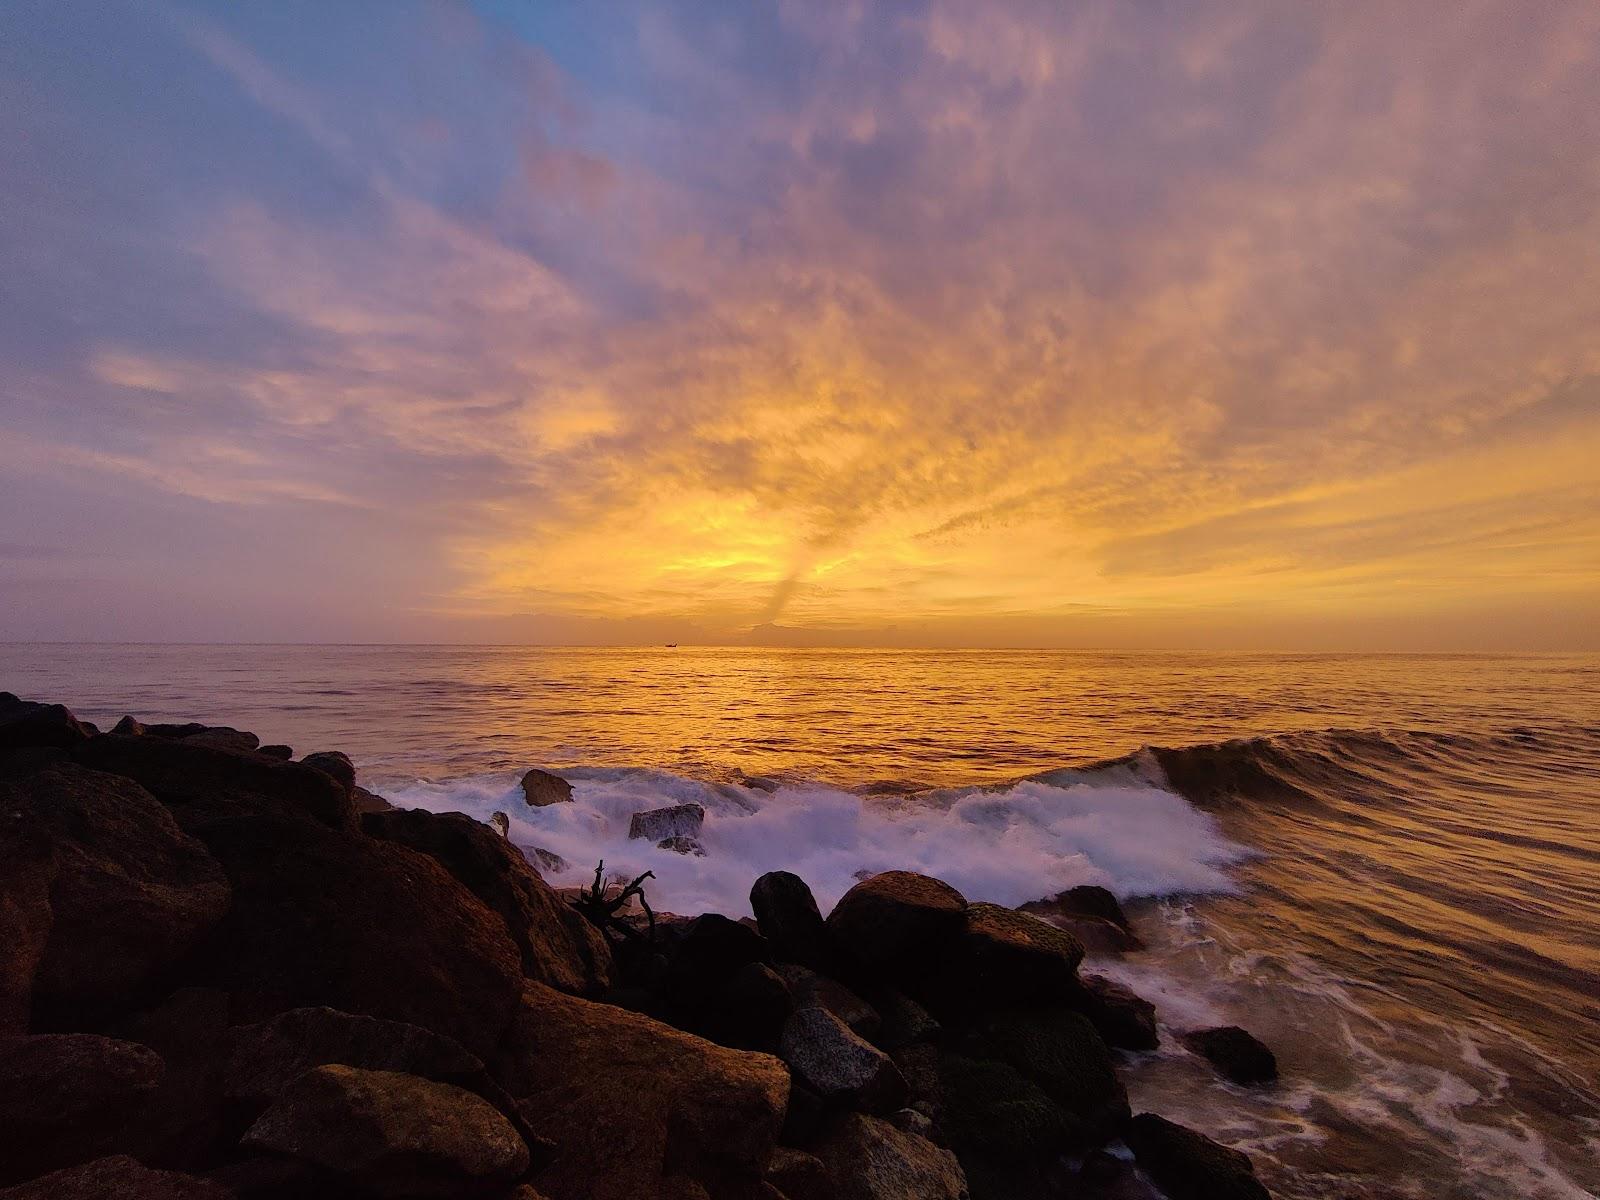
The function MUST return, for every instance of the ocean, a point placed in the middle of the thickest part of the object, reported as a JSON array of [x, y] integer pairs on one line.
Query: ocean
[[1385, 866]]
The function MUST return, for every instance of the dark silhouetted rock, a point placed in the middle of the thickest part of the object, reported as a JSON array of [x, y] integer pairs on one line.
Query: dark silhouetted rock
[[27, 723], [201, 784], [991, 1112], [180, 1123], [276, 750], [749, 1011], [129, 726], [682, 845], [391, 1133], [797, 1175], [681, 820], [813, 990], [904, 1021], [919, 1067], [360, 925], [27, 868], [1188, 1165], [838, 1065], [1106, 1177], [68, 1097], [130, 892], [1236, 1054], [1001, 957], [629, 1101], [364, 802], [1122, 1018], [1093, 915], [336, 765], [789, 919], [540, 788], [1060, 1051], [558, 946], [118, 1177], [273, 1177], [869, 1159], [222, 737], [891, 922]]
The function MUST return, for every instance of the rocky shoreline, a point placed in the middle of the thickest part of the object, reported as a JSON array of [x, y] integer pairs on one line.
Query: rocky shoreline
[[225, 972]]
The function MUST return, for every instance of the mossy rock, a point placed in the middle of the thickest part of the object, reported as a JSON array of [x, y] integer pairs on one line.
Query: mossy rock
[[1059, 1051]]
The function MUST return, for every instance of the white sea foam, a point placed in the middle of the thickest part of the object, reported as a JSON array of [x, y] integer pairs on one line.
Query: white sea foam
[[1011, 845]]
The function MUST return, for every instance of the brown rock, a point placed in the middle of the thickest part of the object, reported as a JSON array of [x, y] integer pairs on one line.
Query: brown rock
[[869, 1159], [131, 893], [558, 946], [628, 1101], [392, 1134], [540, 788], [789, 919], [118, 1177], [891, 922]]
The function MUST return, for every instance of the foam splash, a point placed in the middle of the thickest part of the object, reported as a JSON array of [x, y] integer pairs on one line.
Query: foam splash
[[1008, 846]]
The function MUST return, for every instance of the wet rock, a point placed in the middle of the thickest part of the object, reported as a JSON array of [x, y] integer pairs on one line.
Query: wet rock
[[838, 1065], [1237, 1055], [360, 925], [69, 1097], [201, 784], [1190, 1166], [1001, 957], [869, 1159], [547, 860], [335, 764], [789, 919], [557, 945], [1093, 915], [1060, 1051], [129, 895], [1122, 1018], [28, 723], [890, 922], [682, 845], [118, 1177], [540, 788], [681, 820], [629, 1101], [811, 990], [391, 1133]]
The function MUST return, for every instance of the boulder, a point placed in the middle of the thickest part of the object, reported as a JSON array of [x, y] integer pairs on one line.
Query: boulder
[[990, 1111], [889, 923], [28, 723], [558, 945], [789, 919], [838, 1065], [222, 737], [130, 893], [904, 1021], [548, 860], [201, 784], [69, 1097], [27, 869], [1060, 1051], [682, 845], [628, 1101], [868, 1159], [276, 750], [1001, 957], [364, 802], [797, 1175], [336, 765], [1122, 1018], [540, 788], [681, 820], [360, 925], [390, 1133], [810, 989], [1237, 1055], [119, 1177], [1190, 1166], [1093, 915]]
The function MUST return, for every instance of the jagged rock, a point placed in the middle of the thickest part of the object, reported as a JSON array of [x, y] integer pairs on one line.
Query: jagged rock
[[1060, 1052], [1093, 915], [129, 894], [27, 868], [1188, 1165], [813, 990], [682, 845], [336, 765], [838, 1065], [629, 1101], [363, 802], [118, 1177], [69, 1097], [223, 737], [1238, 1055], [360, 925], [1000, 957], [904, 1021], [276, 750], [1122, 1018], [393, 1134], [540, 788], [129, 726], [869, 1159], [681, 820], [28, 723], [789, 919], [890, 922], [558, 946], [201, 784]]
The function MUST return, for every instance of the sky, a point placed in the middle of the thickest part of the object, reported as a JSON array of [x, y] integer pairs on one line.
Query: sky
[[1209, 324]]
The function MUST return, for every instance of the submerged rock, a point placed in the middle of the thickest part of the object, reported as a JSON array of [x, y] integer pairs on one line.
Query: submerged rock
[[540, 788], [1236, 1054], [681, 820], [392, 1134], [789, 919], [1188, 1165], [868, 1159], [838, 1065]]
